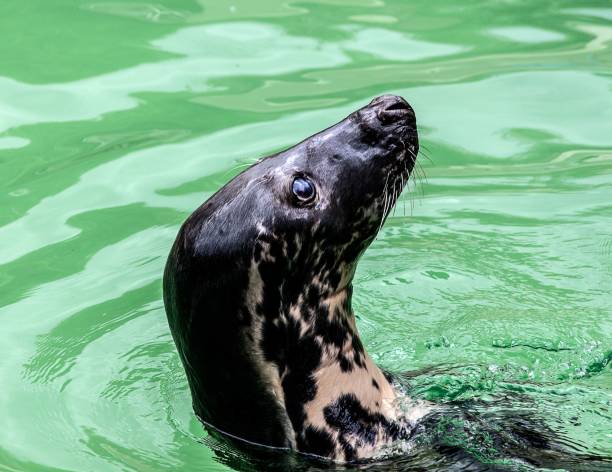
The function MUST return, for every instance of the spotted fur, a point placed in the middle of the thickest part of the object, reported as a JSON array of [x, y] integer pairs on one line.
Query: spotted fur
[[258, 292]]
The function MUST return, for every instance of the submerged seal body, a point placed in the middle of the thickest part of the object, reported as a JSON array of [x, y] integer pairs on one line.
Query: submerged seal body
[[258, 287]]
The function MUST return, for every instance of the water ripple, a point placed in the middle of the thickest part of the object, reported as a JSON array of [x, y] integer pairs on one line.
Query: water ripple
[[491, 279]]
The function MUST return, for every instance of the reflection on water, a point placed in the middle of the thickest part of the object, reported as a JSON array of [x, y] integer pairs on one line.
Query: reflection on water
[[490, 283]]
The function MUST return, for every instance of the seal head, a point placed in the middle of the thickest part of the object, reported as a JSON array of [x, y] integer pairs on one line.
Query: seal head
[[258, 287]]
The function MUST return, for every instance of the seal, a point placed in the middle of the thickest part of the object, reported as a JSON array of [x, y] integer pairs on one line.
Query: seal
[[258, 286]]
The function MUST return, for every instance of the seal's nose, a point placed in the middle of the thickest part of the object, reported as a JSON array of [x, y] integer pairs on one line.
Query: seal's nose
[[392, 108]]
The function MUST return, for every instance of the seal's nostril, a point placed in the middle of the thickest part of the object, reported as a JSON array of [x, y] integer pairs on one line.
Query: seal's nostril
[[392, 108], [389, 116], [399, 104]]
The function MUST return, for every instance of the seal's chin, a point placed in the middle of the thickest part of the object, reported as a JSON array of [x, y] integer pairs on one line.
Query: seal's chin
[[397, 177]]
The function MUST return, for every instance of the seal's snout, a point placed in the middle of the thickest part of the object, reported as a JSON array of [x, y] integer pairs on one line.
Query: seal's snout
[[392, 109]]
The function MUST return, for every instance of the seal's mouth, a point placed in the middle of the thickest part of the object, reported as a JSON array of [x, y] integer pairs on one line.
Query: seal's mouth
[[391, 122], [396, 121]]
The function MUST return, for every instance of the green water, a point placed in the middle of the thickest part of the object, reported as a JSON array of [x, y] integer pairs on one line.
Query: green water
[[118, 118]]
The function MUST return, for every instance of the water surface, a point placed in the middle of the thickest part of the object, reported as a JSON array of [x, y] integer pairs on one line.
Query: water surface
[[118, 118]]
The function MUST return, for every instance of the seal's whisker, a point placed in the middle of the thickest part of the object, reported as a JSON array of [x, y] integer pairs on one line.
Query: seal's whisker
[[395, 194], [238, 166], [390, 202], [414, 168], [423, 146], [426, 152], [424, 177], [418, 177], [426, 156], [402, 187], [406, 174], [423, 172], [412, 196], [384, 214], [388, 208], [385, 202], [419, 173], [418, 187]]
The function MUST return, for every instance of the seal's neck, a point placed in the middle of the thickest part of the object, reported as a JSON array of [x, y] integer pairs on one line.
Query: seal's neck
[[300, 340], [339, 402]]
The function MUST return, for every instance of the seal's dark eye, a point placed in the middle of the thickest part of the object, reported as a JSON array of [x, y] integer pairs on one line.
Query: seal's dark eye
[[303, 189]]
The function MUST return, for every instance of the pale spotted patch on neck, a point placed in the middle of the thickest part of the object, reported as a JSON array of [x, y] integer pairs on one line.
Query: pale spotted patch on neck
[[339, 404]]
